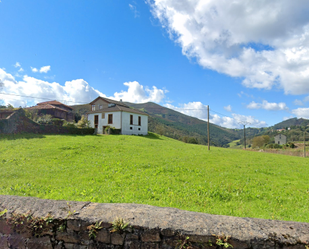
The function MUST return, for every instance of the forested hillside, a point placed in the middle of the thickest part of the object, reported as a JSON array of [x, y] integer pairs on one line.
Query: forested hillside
[[176, 125]]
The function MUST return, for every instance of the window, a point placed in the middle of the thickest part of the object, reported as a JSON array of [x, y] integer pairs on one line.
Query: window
[[96, 121], [131, 119], [93, 108], [103, 115], [101, 107], [110, 118], [139, 120]]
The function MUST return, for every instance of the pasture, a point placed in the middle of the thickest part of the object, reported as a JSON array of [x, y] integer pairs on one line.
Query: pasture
[[157, 171]]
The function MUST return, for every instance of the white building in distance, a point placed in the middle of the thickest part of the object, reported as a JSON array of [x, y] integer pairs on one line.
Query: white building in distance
[[107, 113]]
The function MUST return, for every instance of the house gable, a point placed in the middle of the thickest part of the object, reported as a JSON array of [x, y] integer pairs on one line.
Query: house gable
[[101, 103]]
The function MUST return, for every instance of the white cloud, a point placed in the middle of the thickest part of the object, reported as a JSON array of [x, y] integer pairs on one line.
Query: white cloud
[[44, 69], [198, 110], [137, 94], [17, 64], [266, 42], [301, 112], [298, 102], [72, 92], [20, 70], [134, 10], [228, 108], [33, 69], [237, 121], [286, 118], [268, 106]]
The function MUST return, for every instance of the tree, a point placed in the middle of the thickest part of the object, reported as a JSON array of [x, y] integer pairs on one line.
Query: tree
[[83, 123], [260, 141]]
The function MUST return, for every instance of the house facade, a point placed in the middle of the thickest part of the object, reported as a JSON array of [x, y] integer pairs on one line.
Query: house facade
[[54, 108], [107, 113], [280, 139]]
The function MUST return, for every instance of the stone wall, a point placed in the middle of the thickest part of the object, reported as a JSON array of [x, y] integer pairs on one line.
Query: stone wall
[[28, 222], [17, 122]]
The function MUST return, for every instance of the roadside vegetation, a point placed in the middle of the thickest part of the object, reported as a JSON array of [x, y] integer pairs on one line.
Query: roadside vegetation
[[155, 170]]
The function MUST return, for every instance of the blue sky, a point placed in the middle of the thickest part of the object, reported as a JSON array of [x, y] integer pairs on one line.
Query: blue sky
[[247, 60]]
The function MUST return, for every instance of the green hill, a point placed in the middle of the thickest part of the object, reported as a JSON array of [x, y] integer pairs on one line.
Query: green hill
[[291, 122], [179, 126], [155, 170], [183, 127]]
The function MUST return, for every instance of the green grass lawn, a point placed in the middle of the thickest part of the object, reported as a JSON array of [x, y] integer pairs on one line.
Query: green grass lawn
[[233, 145], [157, 171]]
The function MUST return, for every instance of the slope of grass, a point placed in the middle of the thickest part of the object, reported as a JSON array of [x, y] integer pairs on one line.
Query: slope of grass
[[157, 171], [233, 144]]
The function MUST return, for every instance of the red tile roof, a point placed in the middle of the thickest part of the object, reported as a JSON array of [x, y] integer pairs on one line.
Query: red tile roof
[[54, 102], [45, 106]]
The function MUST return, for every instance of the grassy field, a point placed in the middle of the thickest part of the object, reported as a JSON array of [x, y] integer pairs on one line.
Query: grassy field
[[233, 145], [157, 171]]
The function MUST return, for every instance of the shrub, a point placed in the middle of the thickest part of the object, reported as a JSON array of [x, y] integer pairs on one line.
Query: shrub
[[192, 140], [83, 123], [277, 146], [57, 121], [45, 119], [69, 124], [291, 145]]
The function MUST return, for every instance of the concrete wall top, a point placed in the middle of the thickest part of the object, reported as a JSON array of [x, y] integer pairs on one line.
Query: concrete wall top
[[247, 230]]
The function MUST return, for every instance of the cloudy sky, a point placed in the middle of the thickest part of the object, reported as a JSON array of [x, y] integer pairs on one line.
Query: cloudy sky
[[248, 60]]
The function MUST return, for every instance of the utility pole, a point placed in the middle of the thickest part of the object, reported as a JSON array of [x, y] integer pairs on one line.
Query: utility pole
[[305, 143], [244, 123], [245, 135], [208, 128]]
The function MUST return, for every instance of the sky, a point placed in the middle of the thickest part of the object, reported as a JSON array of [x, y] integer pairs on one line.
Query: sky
[[248, 60]]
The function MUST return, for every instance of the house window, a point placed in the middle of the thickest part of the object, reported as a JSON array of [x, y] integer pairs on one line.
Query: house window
[[96, 121], [103, 115], [92, 107], [101, 107], [131, 119], [139, 120], [110, 118]]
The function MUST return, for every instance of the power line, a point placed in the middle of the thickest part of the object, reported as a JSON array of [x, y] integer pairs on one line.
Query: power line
[[151, 108], [17, 95]]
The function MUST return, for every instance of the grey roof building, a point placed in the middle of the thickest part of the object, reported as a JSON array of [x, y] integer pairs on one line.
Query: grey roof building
[[280, 139]]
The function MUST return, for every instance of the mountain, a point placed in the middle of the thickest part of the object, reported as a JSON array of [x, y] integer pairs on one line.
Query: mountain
[[174, 124], [291, 122]]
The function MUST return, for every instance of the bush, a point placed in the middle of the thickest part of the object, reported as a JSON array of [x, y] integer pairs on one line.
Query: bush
[[45, 119], [68, 124], [83, 123], [57, 121], [291, 145], [192, 140]]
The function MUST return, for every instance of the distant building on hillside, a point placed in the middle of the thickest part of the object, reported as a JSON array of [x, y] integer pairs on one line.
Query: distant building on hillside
[[106, 113], [280, 139], [54, 108], [279, 130]]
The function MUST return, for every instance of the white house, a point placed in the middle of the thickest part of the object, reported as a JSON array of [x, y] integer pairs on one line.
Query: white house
[[110, 113]]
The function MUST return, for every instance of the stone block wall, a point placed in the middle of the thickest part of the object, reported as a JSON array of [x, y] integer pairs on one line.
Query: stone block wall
[[28, 222]]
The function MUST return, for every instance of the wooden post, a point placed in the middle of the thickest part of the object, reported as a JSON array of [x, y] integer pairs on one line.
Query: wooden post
[[305, 143], [245, 136]]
